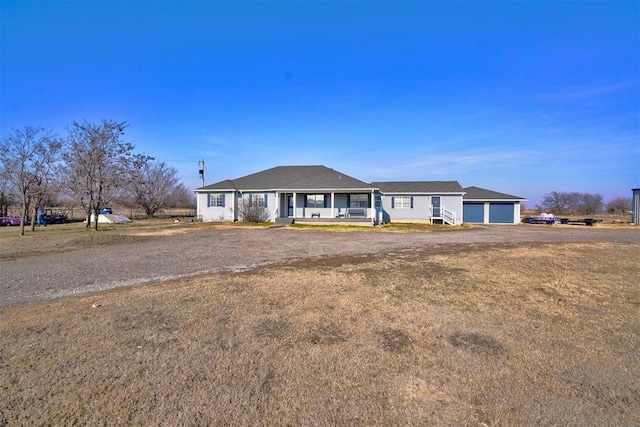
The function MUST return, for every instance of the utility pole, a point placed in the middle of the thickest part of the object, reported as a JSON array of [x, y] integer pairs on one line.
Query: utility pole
[[201, 170]]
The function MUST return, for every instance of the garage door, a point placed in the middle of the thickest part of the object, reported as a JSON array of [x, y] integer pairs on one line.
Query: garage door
[[473, 212], [501, 213]]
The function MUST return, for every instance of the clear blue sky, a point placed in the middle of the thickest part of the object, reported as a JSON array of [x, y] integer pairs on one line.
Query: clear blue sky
[[519, 97]]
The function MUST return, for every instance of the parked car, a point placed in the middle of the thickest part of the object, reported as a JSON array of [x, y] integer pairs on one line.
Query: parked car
[[11, 220], [56, 218], [106, 211]]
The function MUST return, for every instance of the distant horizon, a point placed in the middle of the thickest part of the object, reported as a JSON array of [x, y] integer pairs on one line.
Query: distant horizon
[[522, 98]]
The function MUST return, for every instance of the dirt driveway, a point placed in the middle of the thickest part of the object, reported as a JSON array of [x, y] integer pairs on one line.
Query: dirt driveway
[[236, 249]]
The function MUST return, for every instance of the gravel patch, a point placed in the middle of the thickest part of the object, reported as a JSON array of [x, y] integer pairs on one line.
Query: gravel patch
[[212, 250]]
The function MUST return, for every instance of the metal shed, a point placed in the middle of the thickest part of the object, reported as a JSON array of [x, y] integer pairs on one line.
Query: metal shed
[[635, 206]]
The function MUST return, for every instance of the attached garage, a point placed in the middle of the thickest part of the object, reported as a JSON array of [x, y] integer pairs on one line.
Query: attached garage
[[473, 212], [482, 206], [501, 213]]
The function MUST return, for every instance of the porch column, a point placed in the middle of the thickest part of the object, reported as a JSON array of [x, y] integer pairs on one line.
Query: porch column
[[277, 212], [333, 201], [486, 213], [295, 204], [372, 208]]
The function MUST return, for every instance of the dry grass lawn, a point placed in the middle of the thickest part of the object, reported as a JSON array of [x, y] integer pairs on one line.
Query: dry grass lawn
[[497, 335], [74, 236]]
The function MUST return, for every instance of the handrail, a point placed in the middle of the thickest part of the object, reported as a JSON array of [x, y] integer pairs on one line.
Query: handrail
[[449, 216], [444, 214]]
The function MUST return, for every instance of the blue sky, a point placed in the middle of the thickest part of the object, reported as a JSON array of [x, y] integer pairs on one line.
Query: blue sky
[[519, 97]]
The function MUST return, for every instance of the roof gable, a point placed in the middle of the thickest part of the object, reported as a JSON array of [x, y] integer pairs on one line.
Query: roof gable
[[406, 187], [484, 194], [293, 178]]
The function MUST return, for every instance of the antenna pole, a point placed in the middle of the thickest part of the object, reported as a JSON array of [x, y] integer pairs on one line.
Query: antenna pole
[[201, 170]]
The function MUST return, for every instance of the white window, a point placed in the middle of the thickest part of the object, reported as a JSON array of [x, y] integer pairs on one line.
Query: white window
[[258, 200], [402, 202], [359, 201], [315, 200], [215, 200]]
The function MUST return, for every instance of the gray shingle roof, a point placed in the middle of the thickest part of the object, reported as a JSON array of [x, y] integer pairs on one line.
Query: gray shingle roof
[[416, 187], [477, 193], [292, 178]]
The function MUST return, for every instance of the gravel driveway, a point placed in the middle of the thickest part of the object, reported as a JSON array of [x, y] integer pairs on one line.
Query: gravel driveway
[[235, 249]]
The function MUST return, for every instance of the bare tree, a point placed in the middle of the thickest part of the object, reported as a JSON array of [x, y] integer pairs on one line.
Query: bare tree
[[41, 193], [7, 195], [252, 209], [97, 163], [567, 203], [181, 197], [619, 204], [152, 185], [560, 203], [27, 162], [590, 203]]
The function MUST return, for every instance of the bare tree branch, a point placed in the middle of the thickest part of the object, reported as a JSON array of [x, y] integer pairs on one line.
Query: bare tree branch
[[97, 164], [27, 162]]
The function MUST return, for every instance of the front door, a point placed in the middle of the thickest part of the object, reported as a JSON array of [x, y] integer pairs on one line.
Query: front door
[[289, 205], [435, 204]]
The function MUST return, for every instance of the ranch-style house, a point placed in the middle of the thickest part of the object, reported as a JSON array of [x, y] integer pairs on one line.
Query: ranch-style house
[[318, 194]]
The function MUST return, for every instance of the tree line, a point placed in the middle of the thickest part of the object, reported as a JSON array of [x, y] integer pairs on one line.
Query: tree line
[[92, 167], [564, 203]]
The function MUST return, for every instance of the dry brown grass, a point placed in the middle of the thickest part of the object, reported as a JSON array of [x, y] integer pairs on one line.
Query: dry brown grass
[[499, 335], [73, 236]]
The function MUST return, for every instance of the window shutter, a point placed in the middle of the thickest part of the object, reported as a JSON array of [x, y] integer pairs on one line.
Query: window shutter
[[306, 203], [348, 200], [393, 202], [326, 200], [208, 200], [411, 202], [265, 200], [222, 196], [368, 200]]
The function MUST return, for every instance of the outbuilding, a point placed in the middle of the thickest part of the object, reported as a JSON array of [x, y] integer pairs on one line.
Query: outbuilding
[[635, 206]]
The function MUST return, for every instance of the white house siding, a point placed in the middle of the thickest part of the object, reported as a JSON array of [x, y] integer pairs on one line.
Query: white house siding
[[216, 213], [452, 203], [421, 209], [272, 206], [271, 202], [230, 210]]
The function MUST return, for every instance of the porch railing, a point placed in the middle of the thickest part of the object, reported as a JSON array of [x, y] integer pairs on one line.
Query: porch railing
[[440, 212], [448, 216]]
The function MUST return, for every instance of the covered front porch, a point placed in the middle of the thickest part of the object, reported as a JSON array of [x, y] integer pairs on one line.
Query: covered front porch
[[330, 207]]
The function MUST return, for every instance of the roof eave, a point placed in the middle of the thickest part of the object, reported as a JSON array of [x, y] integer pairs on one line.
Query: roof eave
[[426, 193], [489, 199]]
